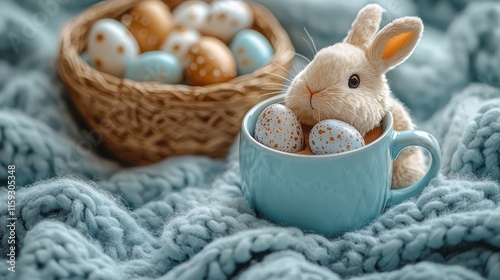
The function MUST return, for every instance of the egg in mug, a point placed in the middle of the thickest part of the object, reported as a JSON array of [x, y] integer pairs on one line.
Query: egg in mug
[[333, 137], [278, 128]]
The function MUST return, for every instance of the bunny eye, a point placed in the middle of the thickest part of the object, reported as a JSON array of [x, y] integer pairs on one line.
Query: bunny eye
[[354, 81]]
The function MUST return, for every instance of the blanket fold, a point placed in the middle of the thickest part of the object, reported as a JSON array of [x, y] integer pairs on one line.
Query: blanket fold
[[468, 129]]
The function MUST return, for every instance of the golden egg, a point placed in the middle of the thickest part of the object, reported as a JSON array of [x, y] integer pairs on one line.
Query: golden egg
[[209, 61], [151, 21]]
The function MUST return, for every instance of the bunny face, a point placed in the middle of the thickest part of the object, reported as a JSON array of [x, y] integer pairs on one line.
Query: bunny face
[[340, 83], [347, 81]]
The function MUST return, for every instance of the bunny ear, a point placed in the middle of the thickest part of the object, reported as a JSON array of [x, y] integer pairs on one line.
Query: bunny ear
[[365, 26], [395, 43]]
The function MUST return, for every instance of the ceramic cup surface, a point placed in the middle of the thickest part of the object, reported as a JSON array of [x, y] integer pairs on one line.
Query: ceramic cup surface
[[327, 194]]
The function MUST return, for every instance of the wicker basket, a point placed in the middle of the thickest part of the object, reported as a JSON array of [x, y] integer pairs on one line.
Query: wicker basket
[[141, 123]]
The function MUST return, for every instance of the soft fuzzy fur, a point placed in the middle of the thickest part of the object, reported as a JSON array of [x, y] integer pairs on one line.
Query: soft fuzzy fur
[[321, 90]]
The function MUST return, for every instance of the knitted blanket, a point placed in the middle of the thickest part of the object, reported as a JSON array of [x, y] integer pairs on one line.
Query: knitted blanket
[[80, 215]]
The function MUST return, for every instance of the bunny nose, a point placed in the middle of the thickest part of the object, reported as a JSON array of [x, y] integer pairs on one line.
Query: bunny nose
[[312, 92]]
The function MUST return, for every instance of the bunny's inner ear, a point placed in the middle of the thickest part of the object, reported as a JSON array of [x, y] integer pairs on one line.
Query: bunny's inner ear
[[365, 26], [395, 43]]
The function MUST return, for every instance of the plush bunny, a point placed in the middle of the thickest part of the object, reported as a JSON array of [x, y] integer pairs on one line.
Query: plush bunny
[[347, 82]]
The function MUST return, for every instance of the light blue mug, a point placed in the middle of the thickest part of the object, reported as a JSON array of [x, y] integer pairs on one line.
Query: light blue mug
[[327, 194]]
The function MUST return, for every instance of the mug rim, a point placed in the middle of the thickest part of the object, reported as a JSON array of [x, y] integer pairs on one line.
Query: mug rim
[[279, 98]]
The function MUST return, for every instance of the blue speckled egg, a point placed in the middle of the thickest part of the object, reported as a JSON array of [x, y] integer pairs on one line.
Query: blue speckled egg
[[278, 128], [252, 51], [155, 66], [85, 57], [333, 137]]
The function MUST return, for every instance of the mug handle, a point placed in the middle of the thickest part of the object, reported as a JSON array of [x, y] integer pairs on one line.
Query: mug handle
[[423, 139]]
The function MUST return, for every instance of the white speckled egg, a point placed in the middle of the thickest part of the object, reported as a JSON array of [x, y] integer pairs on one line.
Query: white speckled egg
[[333, 137], [278, 128], [179, 42], [252, 51], [226, 19], [156, 66], [192, 14], [111, 47]]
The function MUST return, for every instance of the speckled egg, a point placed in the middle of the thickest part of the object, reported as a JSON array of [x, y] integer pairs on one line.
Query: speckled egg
[[151, 22], [333, 137], [111, 47], [179, 41], [252, 51], [278, 128], [192, 14], [155, 66], [209, 62], [226, 19]]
